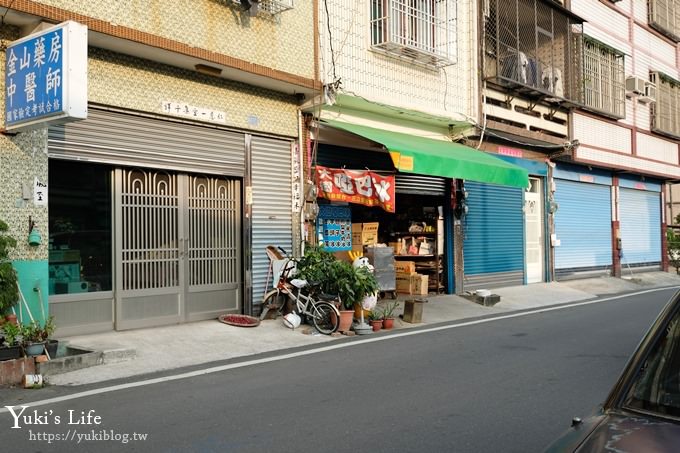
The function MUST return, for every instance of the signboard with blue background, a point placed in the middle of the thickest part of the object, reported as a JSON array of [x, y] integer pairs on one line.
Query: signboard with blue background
[[46, 77]]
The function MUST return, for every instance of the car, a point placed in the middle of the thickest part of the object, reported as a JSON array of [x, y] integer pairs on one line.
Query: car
[[642, 411]]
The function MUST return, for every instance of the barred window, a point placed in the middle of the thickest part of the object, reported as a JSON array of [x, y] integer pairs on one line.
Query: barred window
[[420, 30], [666, 109], [664, 15], [603, 78]]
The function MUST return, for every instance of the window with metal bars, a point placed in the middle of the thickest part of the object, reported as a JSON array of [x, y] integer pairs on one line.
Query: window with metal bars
[[664, 16], [534, 47], [666, 110], [603, 79], [423, 31]]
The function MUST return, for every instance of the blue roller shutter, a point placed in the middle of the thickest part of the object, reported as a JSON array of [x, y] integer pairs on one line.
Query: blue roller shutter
[[493, 248], [640, 222], [583, 227]]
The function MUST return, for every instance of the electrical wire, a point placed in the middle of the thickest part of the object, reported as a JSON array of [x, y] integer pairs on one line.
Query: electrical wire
[[330, 38]]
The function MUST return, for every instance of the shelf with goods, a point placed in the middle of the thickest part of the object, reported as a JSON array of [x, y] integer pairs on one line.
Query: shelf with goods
[[429, 264]]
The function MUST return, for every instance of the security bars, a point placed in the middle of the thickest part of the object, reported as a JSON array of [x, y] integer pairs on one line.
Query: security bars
[[666, 110], [664, 16], [603, 79], [423, 31], [534, 47]]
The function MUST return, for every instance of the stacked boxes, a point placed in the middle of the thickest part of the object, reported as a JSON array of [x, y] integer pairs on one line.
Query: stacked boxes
[[364, 234], [408, 281]]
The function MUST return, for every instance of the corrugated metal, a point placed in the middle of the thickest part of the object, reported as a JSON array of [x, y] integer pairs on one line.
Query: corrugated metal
[[640, 217], [132, 140], [420, 185], [272, 205], [494, 235], [583, 226]]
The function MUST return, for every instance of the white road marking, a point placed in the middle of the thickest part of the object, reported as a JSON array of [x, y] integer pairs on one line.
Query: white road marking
[[292, 355]]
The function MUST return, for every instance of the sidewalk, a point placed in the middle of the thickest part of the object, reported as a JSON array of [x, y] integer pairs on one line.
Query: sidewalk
[[137, 352]]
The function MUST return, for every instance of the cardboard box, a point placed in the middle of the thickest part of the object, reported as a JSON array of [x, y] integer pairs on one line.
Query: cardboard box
[[405, 267], [419, 284], [395, 246], [404, 283], [364, 234]]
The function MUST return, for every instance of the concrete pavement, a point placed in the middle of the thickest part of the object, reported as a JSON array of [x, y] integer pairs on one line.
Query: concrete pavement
[[137, 352]]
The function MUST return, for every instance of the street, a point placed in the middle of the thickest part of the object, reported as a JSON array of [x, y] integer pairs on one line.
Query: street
[[509, 385]]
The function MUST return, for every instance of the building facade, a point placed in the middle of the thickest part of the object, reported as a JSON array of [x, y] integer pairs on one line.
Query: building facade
[[162, 201]]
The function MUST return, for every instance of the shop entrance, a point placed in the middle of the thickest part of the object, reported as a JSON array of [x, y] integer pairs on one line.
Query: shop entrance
[[533, 211], [178, 244]]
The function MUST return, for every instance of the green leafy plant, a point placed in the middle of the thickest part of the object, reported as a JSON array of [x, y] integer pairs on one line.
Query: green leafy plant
[[315, 265], [37, 333], [12, 333], [388, 309], [375, 315], [9, 290], [673, 247]]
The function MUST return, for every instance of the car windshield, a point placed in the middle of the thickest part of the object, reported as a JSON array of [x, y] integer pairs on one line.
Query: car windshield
[[656, 387]]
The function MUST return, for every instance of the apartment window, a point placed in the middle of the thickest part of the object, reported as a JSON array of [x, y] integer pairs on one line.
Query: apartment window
[[664, 16], [423, 31], [666, 109], [533, 47], [603, 78]]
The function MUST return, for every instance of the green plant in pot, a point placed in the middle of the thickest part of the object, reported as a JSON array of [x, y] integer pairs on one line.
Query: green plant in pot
[[9, 289], [36, 336], [10, 341], [387, 313]]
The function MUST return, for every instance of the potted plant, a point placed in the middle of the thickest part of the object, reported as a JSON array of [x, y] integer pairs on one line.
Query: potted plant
[[9, 290], [34, 338], [388, 314], [375, 320], [10, 342]]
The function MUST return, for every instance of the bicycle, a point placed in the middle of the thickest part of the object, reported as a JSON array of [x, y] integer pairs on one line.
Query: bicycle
[[324, 315]]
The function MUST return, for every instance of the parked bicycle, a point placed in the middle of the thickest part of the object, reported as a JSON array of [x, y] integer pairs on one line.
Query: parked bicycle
[[324, 315]]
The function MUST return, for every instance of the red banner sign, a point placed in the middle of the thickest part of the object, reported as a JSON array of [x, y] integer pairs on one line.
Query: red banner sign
[[356, 186]]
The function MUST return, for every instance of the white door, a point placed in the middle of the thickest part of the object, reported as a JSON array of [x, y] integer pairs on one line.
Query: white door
[[533, 211]]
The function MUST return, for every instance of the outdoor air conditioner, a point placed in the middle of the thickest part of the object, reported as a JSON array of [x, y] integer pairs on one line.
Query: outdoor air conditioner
[[649, 95], [635, 85]]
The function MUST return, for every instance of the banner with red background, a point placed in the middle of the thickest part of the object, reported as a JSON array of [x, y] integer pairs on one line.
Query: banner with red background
[[356, 186]]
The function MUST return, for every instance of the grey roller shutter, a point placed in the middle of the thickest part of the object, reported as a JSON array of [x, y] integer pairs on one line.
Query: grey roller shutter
[[272, 220], [132, 140], [420, 185]]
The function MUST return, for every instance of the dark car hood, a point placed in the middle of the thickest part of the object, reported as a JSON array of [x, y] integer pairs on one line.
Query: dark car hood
[[621, 433]]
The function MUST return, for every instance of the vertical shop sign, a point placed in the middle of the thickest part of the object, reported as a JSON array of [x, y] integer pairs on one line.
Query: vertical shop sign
[[296, 172], [46, 78], [334, 223], [39, 193], [356, 186]]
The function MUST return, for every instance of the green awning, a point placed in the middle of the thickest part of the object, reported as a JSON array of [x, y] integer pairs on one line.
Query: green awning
[[426, 156]]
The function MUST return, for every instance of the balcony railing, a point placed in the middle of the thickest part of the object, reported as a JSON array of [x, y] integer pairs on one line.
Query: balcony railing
[[534, 47]]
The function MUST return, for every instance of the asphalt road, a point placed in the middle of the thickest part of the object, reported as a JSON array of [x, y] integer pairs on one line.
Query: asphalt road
[[509, 385]]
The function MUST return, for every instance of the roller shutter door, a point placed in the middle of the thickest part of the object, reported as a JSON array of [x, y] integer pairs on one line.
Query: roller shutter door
[[640, 221], [493, 248], [583, 227], [272, 221]]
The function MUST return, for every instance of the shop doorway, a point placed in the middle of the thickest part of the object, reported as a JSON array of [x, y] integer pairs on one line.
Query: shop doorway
[[533, 212], [178, 247]]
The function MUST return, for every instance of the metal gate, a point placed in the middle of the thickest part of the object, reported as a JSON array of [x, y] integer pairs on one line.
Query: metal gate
[[583, 227], [179, 239], [493, 245], [640, 220]]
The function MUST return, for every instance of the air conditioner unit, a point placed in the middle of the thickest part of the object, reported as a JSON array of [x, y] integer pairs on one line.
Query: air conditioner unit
[[635, 85], [650, 93]]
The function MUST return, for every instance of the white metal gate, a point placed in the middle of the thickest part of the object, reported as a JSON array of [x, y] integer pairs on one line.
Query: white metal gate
[[533, 211], [179, 240]]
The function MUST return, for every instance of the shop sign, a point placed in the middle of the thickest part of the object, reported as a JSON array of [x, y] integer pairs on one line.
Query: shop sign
[[46, 78], [186, 110], [506, 151], [356, 186], [640, 186]]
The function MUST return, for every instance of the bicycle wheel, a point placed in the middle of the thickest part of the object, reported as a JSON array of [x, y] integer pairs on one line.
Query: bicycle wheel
[[326, 317], [272, 301]]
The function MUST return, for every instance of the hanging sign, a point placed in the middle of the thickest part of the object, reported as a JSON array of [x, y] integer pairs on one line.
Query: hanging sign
[[46, 78], [356, 186]]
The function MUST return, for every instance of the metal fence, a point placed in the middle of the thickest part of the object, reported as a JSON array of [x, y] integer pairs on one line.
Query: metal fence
[[664, 15], [534, 47], [603, 79]]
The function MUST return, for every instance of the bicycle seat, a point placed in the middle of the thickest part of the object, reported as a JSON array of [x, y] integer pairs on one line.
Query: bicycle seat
[[328, 297], [298, 283]]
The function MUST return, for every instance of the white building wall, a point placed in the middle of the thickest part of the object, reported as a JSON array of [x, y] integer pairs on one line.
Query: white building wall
[[623, 25], [450, 91]]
